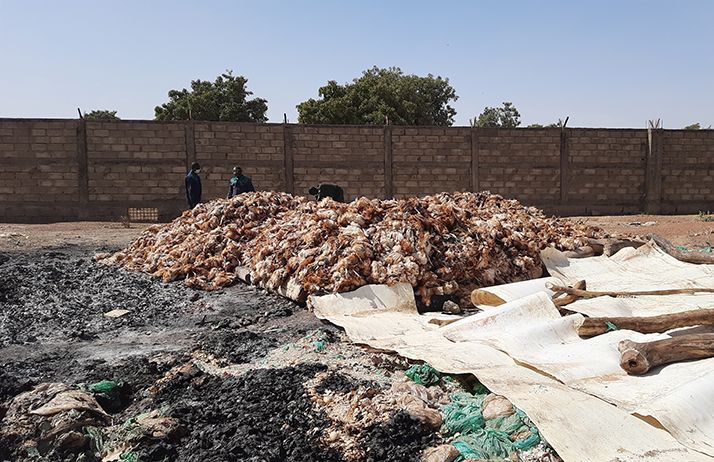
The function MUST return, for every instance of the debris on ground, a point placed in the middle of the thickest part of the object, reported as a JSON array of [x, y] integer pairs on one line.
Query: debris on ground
[[49, 420], [443, 453], [451, 307], [488, 427], [441, 244]]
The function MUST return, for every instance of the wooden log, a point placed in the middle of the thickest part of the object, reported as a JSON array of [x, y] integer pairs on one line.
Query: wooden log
[[594, 293], [582, 252], [610, 246], [688, 257], [639, 358], [647, 324], [562, 298]]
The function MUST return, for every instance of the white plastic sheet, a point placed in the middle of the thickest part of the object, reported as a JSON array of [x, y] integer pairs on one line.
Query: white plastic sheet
[[498, 346]]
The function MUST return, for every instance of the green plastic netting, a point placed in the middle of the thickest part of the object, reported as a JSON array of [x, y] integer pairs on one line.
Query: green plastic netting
[[463, 413], [423, 374], [486, 443], [494, 439]]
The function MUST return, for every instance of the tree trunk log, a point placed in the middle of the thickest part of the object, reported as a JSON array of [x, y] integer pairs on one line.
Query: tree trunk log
[[639, 358], [610, 246], [688, 257], [647, 324], [593, 293], [561, 298]]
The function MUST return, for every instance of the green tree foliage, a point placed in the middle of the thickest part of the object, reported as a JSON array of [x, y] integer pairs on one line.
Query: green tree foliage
[[100, 114], [558, 124], [499, 117], [381, 94], [696, 126], [226, 99]]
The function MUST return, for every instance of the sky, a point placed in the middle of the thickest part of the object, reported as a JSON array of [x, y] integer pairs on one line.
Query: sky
[[602, 63]]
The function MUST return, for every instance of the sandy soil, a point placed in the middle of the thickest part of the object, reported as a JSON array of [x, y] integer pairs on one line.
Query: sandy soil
[[85, 234], [691, 231]]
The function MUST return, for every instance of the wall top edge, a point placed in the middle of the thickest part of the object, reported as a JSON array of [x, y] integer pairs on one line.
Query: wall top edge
[[276, 124]]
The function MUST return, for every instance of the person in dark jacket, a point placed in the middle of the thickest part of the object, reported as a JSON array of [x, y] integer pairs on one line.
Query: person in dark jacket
[[239, 183], [324, 190], [193, 186]]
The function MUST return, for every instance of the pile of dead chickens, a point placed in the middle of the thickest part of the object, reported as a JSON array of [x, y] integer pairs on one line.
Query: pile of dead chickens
[[445, 244]]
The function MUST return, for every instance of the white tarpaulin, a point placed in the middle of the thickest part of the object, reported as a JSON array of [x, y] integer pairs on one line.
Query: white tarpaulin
[[645, 268], [527, 352]]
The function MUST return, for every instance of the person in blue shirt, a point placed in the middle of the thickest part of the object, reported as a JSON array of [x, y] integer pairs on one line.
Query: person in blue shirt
[[239, 183], [193, 186]]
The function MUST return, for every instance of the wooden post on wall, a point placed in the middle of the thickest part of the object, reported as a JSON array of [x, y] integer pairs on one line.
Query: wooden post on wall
[[83, 169], [190, 139], [564, 154], [473, 182], [388, 161], [653, 171], [289, 165]]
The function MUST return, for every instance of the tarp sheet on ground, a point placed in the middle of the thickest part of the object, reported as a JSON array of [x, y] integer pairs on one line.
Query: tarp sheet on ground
[[573, 389]]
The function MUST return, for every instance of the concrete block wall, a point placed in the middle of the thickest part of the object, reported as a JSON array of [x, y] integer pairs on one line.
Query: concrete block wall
[[606, 169], [54, 170], [39, 173], [352, 157], [522, 164], [258, 149], [134, 164], [429, 160], [687, 170]]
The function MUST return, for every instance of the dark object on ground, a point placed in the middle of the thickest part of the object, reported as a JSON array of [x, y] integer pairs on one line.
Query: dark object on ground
[[330, 190]]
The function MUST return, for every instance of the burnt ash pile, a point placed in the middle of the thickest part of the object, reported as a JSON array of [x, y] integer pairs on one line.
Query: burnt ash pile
[[236, 347], [266, 415], [53, 329], [338, 382], [57, 295], [401, 438]]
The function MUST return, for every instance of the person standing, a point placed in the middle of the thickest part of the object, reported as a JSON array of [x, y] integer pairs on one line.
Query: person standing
[[239, 183], [193, 186]]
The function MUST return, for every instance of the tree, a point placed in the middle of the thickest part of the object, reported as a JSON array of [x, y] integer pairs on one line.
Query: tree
[[381, 95], [696, 126], [222, 100], [559, 124], [100, 114], [499, 117]]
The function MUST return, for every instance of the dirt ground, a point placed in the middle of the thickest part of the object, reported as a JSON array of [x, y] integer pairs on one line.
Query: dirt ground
[[234, 374], [692, 231]]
